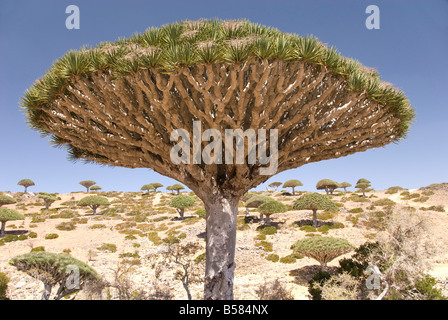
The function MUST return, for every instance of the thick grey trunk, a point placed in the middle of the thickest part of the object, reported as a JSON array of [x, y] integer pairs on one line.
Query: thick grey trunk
[[2, 229], [181, 213], [315, 218], [47, 291], [220, 242]]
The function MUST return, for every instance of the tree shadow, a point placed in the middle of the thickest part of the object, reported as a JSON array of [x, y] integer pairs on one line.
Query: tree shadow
[[304, 222], [201, 235], [302, 276], [184, 218], [16, 232]]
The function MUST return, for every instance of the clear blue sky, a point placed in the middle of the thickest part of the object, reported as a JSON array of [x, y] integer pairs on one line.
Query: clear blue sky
[[410, 50]]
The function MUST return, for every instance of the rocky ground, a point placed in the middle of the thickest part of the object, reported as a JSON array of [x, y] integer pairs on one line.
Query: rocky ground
[[137, 224]]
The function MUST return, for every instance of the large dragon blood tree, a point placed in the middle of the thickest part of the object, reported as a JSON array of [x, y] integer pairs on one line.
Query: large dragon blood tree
[[118, 103]]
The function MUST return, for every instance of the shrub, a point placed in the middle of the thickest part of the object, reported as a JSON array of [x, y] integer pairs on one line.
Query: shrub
[[52, 236], [268, 246], [48, 199], [322, 249], [66, 226], [393, 190], [267, 230], [4, 280], [288, 259], [200, 212], [97, 226], [108, 247], [356, 210], [273, 291], [384, 202], [273, 257], [315, 284], [308, 228], [38, 249]]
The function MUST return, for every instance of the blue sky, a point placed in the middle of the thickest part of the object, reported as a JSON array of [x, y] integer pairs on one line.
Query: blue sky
[[409, 50]]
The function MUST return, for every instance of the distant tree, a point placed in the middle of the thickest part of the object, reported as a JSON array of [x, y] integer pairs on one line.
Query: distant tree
[[48, 199], [270, 207], [26, 183], [181, 202], [327, 185], [170, 188], [56, 269], [6, 200], [3, 286], [255, 202], [87, 184], [345, 185], [275, 185], [177, 187], [147, 187], [363, 184], [156, 185], [94, 202], [322, 249], [314, 201], [95, 188], [292, 184], [8, 215]]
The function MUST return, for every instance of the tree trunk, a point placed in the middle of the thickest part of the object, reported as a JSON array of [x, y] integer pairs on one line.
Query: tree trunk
[[293, 191], [94, 209], [315, 218], [2, 229], [181, 213], [247, 212], [363, 193], [47, 292], [221, 216], [26, 188], [323, 266]]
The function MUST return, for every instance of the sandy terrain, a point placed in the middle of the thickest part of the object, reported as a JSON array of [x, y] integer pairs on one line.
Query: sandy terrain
[[252, 267]]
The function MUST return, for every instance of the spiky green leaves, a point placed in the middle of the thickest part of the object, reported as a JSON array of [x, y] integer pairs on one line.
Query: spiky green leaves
[[52, 269], [187, 43], [256, 201], [6, 200], [10, 215], [322, 249], [314, 201], [292, 183], [271, 207]]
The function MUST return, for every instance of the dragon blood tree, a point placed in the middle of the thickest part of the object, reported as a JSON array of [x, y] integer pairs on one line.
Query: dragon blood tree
[[140, 103]]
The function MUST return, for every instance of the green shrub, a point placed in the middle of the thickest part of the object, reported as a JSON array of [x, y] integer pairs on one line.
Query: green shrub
[[4, 280], [393, 190], [52, 236], [66, 226], [384, 202], [154, 238], [97, 226], [308, 228], [32, 235], [316, 282], [38, 249], [260, 237], [273, 257], [356, 210], [268, 246], [267, 230], [426, 286], [110, 247], [288, 259]]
